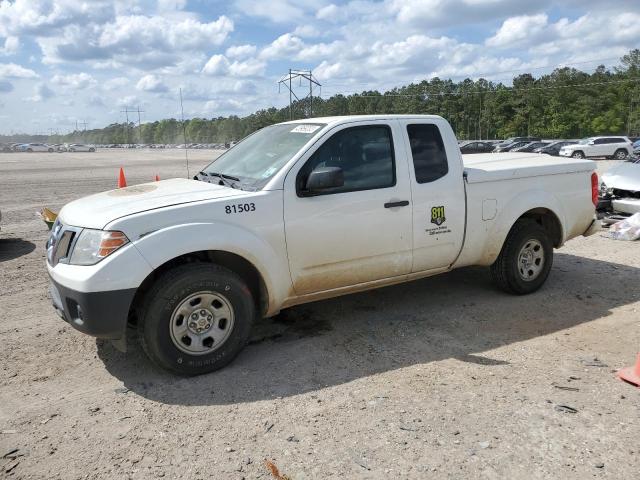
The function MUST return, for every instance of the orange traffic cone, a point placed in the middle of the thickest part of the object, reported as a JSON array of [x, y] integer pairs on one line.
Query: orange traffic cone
[[631, 374], [157, 178], [122, 182]]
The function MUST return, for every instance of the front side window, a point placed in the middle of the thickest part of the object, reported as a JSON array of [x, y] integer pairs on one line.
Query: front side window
[[427, 149], [365, 155]]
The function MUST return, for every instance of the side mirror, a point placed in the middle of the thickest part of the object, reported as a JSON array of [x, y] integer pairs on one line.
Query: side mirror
[[592, 142], [322, 178]]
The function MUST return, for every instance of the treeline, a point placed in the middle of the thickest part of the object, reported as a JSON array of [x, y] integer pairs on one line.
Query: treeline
[[567, 103]]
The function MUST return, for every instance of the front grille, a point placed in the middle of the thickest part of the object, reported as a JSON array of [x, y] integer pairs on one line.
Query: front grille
[[60, 243]]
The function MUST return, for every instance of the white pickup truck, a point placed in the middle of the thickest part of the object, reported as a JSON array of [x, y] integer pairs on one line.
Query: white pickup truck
[[302, 211]]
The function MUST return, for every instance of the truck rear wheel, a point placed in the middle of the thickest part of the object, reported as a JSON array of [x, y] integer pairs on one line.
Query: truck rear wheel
[[196, 318], [525, 260]]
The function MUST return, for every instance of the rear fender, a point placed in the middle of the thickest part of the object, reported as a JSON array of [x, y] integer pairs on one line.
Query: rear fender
[[513, 210]]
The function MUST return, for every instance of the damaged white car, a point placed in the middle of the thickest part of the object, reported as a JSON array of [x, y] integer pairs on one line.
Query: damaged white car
[[620, 192]]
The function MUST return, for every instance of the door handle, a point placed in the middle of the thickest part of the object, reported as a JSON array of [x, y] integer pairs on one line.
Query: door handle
[[401, 203]]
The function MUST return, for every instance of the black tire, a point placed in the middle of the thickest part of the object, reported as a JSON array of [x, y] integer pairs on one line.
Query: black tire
[[168, 292], [92, 149], [72, 149], [506, 270], [50, 150], [577, 154], [620, 154], [30, 150]]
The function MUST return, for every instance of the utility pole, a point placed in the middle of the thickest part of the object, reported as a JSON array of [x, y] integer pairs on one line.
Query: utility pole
[[287, 81], [84, 126], [126, 112]]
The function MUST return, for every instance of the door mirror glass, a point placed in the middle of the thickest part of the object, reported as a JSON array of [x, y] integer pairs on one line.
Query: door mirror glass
[[323, 178]]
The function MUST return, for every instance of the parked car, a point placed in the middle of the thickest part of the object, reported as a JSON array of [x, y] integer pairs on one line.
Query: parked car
[[286, 217], [79, 147], [530, 147], [518, 139], [507, 147], [36, 147], [608, 147], [620, 191], [553, 148], [5, 147], [475, 147]]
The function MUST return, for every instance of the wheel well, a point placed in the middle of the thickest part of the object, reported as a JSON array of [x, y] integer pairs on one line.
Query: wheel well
[[237, 264], [547, 220]]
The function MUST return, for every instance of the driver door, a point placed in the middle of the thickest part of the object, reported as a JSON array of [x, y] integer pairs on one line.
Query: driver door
[[361, 231]]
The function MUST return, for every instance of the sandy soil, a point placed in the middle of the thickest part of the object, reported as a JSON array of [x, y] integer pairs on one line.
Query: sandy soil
[[445, 377]]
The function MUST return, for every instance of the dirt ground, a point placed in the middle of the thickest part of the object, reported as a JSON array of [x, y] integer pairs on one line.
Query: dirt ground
[[445, 377]]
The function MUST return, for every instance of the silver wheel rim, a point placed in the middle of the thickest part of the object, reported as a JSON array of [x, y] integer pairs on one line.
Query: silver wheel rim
[[530, 260], [202, 323], [620, 155]]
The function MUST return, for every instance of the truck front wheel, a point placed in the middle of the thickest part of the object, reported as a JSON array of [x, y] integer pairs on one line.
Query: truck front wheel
[[196, 318], [525, 260]]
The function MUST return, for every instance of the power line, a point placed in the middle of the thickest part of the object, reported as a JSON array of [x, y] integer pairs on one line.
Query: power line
[[286, 80], [492, 74], [425, 93]]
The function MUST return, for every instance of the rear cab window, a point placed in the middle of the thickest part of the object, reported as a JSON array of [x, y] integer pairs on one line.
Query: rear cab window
[[428, 152]]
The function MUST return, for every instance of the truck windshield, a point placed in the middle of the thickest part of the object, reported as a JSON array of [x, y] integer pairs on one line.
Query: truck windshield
[[259, 156]]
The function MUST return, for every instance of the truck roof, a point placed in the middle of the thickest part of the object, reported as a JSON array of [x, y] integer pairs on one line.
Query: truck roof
[[347, 118]]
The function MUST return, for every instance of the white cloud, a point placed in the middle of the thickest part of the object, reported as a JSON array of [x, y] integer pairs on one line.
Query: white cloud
[[284, 46], [330, 12], [137, 40], [78, 81], [41, 93], [516, 29], [278, 11], [128, 101], [306, 31], [115, 83], [11, 45], [46, 17], [240, 51], [219, 65], [151, 83], [12, 70]]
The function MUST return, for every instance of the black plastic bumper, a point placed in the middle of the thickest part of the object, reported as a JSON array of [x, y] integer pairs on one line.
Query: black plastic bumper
[[99, 314]]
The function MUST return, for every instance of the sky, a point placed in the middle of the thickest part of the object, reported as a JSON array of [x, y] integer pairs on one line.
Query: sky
[[68, 61]]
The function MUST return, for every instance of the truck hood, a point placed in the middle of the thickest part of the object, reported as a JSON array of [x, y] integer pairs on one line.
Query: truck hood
[[625, 176], [96, 211]]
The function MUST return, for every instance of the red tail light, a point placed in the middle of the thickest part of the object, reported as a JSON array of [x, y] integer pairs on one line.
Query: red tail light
[[594, 189]]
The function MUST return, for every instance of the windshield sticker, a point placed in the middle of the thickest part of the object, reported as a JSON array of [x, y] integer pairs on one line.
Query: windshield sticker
[[305, 129], [270, 171]]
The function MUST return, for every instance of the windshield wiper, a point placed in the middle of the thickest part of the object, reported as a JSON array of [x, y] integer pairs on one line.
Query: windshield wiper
[[225, 179]]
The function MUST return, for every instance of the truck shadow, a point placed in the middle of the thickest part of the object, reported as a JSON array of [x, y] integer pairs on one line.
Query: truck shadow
[[12, 248], [458, 315]]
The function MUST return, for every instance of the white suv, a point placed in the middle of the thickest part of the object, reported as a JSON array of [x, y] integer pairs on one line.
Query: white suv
[[609, 147]]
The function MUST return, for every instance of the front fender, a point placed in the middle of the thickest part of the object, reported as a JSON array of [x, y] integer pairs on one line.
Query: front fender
[[168, 243], [518, 205]]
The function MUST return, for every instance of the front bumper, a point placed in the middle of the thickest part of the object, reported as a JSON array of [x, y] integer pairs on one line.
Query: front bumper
[[614, 210], [99, 314]]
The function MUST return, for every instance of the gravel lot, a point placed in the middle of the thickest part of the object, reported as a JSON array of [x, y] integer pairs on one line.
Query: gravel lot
[[446, 377]]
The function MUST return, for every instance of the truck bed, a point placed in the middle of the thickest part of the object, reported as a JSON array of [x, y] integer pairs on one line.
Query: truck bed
[[489, 167]]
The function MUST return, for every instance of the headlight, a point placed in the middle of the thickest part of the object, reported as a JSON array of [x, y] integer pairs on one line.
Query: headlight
[[94, 245]]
